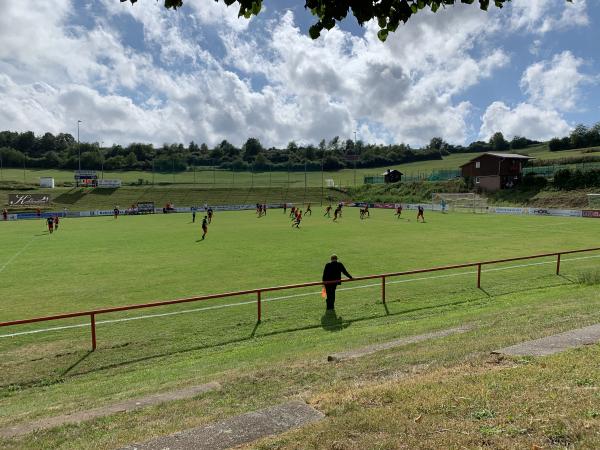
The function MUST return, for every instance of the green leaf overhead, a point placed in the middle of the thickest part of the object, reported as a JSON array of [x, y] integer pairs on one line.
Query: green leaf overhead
[[387, 13]]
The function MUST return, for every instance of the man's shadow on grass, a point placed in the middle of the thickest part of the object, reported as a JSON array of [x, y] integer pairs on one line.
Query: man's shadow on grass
[[332, 322]]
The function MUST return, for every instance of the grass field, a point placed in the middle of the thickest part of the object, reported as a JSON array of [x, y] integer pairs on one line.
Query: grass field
[[91, 263], [222, 178]]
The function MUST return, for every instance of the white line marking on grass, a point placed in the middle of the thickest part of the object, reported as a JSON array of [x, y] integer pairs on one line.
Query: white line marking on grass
[[285, 297], [16, 255]]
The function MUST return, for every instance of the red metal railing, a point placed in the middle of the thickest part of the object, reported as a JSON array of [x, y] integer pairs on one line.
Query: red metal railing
[[93, 313]]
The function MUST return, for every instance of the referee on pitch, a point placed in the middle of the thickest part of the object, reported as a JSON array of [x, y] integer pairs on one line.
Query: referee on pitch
[[333, 272]]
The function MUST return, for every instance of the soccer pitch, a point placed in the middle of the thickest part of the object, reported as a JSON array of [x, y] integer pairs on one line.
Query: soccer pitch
[[100, 262]]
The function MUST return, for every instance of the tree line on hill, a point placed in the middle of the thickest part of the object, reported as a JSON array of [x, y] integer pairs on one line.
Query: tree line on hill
[[62, 152], [580, 137]]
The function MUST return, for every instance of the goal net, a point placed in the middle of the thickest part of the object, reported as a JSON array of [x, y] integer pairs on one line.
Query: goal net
[[463, 201], [594, 201]]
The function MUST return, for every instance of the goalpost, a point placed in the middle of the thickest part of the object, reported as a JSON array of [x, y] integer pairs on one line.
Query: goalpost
[[462, 201]]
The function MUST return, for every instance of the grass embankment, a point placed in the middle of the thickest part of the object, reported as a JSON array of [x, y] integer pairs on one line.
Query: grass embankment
[[83, 199], [543, 198], [416, 192], [102, 261], [412, 192], [482, 403]]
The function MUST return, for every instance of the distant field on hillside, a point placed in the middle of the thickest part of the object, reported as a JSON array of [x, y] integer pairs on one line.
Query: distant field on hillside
[[223, 178]]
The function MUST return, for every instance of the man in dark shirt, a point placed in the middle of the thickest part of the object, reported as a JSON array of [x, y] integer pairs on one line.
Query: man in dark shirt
[[204, 227], [333, 272]]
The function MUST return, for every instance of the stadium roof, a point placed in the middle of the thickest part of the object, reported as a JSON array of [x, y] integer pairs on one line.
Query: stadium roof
[[499, 155]]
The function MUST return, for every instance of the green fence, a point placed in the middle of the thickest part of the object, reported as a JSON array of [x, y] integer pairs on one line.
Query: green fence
[[549, 171]]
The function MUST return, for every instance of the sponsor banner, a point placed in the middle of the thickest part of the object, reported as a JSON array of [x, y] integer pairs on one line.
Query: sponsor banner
[[86, 213], [385, 205], [28, 199], [593, 213], [233, 207], [104, 212], [555, 212], [109, 183], [507, 210]]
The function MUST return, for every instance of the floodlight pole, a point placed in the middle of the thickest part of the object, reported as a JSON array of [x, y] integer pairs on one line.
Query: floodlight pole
[[102, 154], [78, 146], [355, 157], [322, 180]]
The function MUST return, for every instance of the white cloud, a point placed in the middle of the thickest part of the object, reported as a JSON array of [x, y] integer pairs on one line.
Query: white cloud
[[204, 74], [556, 83], [393, 91], [217, 13], [523, 120], [542, 16]]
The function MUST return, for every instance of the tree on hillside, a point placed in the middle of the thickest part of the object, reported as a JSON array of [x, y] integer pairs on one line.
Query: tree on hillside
[[579, 137], [387, 13], [519, 142], [251, 149], [498, 142]]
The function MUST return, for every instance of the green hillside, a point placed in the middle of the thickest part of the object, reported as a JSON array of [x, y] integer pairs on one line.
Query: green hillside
[[224, 178]]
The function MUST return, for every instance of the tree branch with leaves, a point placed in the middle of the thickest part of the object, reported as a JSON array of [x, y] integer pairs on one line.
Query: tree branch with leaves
[[388, 13]]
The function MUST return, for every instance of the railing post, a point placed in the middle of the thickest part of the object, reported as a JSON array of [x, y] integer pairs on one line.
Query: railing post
[[258, 305], [383, 289], [558, 264], [93, 323], [478, 276]]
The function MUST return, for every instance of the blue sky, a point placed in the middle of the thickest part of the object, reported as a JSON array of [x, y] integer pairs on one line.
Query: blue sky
[[142, 73]]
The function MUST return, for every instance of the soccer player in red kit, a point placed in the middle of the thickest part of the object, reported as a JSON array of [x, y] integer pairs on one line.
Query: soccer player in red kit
[[398, 211], [421, 213], [50, 222]]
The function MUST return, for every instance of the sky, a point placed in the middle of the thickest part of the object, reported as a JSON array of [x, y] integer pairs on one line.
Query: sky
[[142, 73]]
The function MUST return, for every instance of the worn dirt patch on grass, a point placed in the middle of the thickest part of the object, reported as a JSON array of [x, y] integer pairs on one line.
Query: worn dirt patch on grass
[[364, 351], [125, 406], [555, 343]]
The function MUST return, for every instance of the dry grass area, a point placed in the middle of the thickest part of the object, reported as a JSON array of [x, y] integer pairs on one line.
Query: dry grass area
[[487, 402]]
